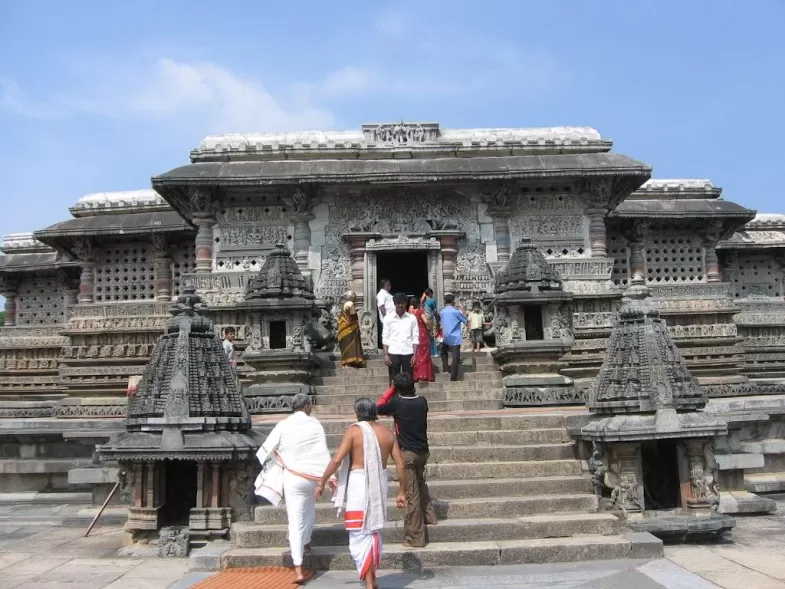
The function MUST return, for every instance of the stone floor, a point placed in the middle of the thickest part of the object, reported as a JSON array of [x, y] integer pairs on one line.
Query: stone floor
[[37, 552]]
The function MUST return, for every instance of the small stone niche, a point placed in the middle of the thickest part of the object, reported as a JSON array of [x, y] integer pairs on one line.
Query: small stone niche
[[277, 335], [532, 321]]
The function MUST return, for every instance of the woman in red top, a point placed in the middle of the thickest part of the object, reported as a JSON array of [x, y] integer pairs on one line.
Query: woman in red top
[[423, 367]]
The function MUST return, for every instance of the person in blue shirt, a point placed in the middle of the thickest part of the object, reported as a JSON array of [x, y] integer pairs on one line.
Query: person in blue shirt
[[452, 319]]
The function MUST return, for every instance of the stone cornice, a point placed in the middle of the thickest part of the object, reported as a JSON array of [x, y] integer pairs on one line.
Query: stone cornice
[[677, 188], [23, 243], [130, 201]]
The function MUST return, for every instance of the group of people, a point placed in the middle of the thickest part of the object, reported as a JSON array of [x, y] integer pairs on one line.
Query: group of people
[[296, 467]]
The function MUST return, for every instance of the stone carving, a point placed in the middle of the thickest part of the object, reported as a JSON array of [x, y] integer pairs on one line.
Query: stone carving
[[258, 215], [173, 542], [515, 397], [269, 404], [711, 330], [399, 134], [368, 331], [548, 227], [251, 237]]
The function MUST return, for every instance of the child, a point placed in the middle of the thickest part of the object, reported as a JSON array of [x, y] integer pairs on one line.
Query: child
[[476, 324]]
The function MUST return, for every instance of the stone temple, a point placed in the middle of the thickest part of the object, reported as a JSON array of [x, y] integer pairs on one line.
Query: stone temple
[[546, 227]]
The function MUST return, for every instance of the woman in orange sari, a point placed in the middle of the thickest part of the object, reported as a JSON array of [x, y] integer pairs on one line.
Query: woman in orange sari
[[349, 334], [423, 367]]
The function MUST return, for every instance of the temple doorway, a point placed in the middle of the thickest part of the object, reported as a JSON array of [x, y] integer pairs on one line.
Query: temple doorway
[[661, 474], [179, 492], [407, 271]]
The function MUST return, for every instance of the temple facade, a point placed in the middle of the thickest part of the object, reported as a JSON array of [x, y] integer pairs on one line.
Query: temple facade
[[87, 298]]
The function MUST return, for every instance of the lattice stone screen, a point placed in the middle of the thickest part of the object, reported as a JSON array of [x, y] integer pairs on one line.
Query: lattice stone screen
[[674, 258], [182, 263], [756, 275], [40, 302], [125, 273], [617, 249]]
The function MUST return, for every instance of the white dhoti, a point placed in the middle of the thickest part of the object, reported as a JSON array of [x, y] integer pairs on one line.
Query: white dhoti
[[301, 512], [365, 546]]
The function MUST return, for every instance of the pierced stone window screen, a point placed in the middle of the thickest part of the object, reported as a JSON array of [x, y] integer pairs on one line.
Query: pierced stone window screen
[[562, 251], [40, 302], [756, 275], [183, 262], [125, 273], [674, 258], [618, 250]]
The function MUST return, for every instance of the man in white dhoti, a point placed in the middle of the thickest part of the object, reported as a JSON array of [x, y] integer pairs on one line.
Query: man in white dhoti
[[293, 458], [362, 486]]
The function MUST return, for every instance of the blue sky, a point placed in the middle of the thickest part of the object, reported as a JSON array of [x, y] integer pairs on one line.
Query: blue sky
[[102, 95]]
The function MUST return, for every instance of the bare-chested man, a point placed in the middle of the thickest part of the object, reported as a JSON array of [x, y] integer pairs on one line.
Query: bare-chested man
[[362, 485]]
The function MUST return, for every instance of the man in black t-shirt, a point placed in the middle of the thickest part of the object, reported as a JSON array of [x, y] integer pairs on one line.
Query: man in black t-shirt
[[410, 413]]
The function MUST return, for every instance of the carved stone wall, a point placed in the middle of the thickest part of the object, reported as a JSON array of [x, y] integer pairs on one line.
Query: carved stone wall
[[124, 272], [244, 233], [29, 359], [40, 301], [555, 221], [619, 251]]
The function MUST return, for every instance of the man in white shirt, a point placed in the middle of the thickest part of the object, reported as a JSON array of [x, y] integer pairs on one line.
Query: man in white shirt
[[228, 345], [384, 304], [400, 336]]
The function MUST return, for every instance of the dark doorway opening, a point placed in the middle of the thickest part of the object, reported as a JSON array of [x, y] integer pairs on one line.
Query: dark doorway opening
[[407, 272], [179, 492], [532, 322], [277, 335], [661, 474]]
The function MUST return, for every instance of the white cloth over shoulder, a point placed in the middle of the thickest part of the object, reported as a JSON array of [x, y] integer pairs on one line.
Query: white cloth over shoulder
[[297, 444], [375, 484]]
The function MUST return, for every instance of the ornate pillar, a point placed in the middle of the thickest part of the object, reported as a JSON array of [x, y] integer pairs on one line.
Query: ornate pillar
[[499, 210], [597, 233], [702, 488], [637, 240], [302, 239], [711, 238], [83, 248], [449, 258], [163, 268], [201, 203], [8, 288], [204, 244], [357, 257]]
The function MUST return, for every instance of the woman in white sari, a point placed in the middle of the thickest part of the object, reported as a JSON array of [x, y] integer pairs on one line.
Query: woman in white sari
[[293, 459]]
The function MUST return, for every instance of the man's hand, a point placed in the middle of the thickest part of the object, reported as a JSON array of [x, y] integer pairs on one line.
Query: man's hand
[[387, 360], [333, 484], [319, 490], [400, 500], [411, 363]]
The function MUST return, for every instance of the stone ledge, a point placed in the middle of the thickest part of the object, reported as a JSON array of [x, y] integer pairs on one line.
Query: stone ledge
[[12, 466], [739, 461], [743, 502], [44, 498], [765, 482], [92, 476]]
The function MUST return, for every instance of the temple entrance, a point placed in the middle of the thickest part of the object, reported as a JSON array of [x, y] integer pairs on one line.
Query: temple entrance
[[179, 492], [661, 474], [407, 271]]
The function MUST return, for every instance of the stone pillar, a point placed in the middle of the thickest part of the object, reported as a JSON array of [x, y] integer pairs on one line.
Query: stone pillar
[[87, 283], [215, 492], [597, 233], [501, 232], [630, 492], [702, 486], [8, 288], [637, 241], [449, 258], [357, 257], [163, 269], [204, 243], [302, 239], [712, 261]]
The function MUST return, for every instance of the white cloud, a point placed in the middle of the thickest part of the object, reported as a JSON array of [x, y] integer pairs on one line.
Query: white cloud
[[348, 80], [13, 99]]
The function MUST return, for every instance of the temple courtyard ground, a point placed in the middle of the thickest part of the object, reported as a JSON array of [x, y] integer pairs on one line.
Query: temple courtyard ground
[[38, 552]]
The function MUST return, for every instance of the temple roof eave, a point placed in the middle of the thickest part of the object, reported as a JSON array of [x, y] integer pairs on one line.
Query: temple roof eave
[[61, 236], [34, 262], [628, 174]]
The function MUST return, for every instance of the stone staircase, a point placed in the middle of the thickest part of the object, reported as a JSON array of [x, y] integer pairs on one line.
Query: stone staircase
[[506, 485]]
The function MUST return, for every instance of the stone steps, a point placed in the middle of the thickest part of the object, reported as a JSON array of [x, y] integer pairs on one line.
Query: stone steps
[[423, 388], [500, 453], [338, 397], [382, 380], [490, 421], [381, 370], [487, 553], [253, 535], [501, 507], [483, 438], [467, 405]]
